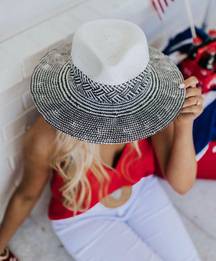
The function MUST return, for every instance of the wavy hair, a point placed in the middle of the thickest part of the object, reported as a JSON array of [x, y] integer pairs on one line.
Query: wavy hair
[[72, 159]]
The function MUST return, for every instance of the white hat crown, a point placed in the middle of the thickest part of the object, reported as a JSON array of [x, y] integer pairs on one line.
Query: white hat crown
[[110, 52]]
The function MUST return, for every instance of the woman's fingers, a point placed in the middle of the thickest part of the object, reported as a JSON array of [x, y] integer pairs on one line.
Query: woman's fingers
[[193, 103], [191, 81], [191, 87], [191, 91], [192, 109], [193, 100]]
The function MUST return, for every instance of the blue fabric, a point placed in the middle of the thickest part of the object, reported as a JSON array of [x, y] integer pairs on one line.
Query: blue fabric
[[177, 43], [204, 127]]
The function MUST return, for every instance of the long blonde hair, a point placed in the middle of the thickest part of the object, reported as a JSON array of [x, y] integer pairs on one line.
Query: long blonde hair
[[72, 159]]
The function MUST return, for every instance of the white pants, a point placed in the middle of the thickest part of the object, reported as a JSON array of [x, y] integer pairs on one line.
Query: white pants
[[146, 228]]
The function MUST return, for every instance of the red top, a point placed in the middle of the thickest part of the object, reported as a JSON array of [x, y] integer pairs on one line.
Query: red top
[[144, 166]]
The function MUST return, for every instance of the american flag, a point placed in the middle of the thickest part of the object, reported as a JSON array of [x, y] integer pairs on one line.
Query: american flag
[[160, 6]]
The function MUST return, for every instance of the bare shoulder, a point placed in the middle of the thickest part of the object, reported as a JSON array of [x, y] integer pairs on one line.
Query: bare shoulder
[[37, 147], [38, 140]]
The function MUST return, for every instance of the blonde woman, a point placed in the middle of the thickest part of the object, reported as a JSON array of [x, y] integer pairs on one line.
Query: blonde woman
[[115, 114]]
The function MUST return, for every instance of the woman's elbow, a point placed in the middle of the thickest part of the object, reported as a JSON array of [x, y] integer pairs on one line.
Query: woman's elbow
[[182, 186], [181, 191]]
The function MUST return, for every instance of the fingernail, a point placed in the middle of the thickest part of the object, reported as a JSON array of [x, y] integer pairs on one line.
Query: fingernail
[[181, 86]]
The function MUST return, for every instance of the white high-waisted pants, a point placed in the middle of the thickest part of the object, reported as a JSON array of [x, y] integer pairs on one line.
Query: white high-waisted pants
[[146, 228]]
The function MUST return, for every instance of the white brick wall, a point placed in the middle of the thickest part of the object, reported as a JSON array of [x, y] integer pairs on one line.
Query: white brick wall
[[17, 16], [16, 114], [20, 53]]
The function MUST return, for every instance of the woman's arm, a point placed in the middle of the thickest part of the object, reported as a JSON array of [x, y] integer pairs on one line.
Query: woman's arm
[[182, 167], [174, 146], [35, 176]]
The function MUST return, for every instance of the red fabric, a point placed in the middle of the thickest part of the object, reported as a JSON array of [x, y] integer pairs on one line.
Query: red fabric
[[206, 168], [137, 169], [206, 165], [146, 165]]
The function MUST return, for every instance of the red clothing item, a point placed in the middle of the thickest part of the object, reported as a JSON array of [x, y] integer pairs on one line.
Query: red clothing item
[[206, 166], [137, 168]]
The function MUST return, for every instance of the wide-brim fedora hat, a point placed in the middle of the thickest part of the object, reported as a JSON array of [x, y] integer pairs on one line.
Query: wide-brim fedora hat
[[108, 85]]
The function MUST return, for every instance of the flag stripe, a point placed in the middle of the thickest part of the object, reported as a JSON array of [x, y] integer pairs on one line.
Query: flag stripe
[[160, 6]]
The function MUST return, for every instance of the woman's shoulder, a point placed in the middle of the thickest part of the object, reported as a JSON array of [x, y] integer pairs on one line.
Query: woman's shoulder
[[38, 139]]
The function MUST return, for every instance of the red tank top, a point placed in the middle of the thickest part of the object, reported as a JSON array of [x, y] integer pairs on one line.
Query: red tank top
[[141, 167]]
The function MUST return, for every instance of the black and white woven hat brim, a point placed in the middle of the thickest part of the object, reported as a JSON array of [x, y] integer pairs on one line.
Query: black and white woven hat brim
[[98, 113]]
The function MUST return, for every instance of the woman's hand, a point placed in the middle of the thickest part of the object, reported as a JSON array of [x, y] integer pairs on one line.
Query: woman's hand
[[193, 104], [181, 167]]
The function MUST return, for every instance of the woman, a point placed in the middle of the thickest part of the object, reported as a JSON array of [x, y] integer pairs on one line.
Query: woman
[[114, 114]]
